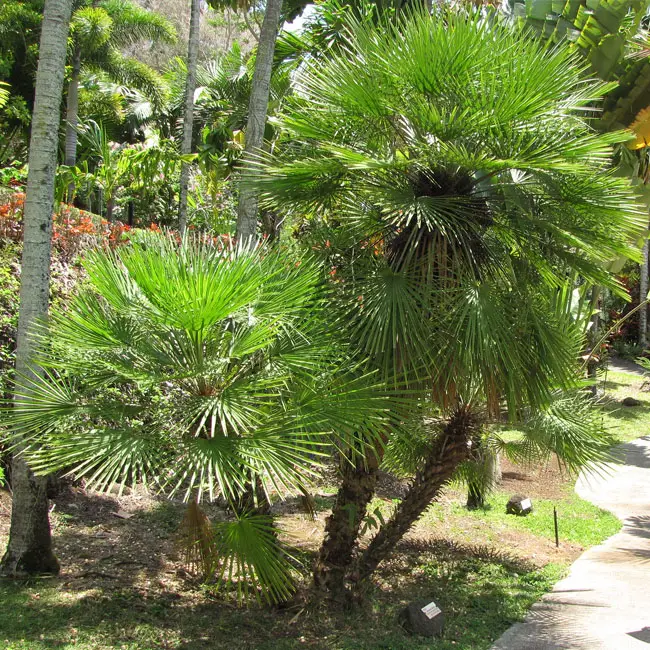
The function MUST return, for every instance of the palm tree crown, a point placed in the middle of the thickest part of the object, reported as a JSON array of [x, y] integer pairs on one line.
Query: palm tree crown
[[456, 160]]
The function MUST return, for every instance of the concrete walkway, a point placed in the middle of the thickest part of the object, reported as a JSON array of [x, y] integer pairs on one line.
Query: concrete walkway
[[604, 603]]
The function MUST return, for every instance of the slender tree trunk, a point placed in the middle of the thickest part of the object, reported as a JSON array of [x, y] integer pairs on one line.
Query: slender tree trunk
[[110, 205], [30, 543], [188, 119], [72, 111], [257, 111], [449, 450], [643, 293], [342, 527]]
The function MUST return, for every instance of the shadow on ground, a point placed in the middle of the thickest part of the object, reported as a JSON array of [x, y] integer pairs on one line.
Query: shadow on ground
[[481, 590]]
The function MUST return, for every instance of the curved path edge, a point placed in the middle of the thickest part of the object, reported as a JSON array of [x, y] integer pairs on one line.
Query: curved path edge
[[604, 602]]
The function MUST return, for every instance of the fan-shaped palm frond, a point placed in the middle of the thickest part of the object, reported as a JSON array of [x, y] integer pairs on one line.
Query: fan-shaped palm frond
[[250, 558], [569, 427], [197, 368]]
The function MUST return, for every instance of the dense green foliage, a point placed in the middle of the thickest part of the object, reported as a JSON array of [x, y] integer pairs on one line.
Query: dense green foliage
[[438, 193]]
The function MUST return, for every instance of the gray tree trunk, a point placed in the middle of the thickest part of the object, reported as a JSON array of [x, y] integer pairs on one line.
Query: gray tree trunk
[[188, 119], [643, 293], [72, 111], [257, 111], [30, 542]]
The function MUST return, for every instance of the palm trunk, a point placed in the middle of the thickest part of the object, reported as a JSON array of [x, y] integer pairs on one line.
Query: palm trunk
[[480, 487], [447, 453], [643, 293], [188, 119], [72, 111], [342, 527], [110, 205], [257, 110], [475, 497], [30, 543]]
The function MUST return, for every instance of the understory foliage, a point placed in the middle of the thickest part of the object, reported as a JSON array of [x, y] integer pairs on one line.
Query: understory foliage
[[199, 369]]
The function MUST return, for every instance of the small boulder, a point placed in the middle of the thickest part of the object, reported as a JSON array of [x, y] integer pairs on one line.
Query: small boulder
[[520, 506], [424, 618], [631, 401]]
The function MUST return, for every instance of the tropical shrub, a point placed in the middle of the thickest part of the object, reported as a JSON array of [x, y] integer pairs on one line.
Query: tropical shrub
[[203, 370], [446, 171]]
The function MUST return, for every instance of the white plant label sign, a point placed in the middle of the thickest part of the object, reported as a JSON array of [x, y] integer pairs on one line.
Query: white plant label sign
[[526, 504], [431, 610]]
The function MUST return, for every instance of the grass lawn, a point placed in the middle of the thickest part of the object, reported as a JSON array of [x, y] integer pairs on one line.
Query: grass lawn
[[625, 422], [123, 586]]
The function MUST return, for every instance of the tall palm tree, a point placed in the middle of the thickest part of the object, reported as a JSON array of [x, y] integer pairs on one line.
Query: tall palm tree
[[188, 117], [30, 544], [100, 31], [445, 169], [257, 112]]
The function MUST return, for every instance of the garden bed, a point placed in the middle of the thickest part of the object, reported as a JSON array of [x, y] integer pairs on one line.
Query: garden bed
[[123, 584]]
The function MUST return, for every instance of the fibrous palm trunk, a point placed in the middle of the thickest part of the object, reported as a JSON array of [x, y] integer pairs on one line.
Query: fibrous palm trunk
[[188, 118], [357, 488], [450, 449], [30, 543], [257, 112]]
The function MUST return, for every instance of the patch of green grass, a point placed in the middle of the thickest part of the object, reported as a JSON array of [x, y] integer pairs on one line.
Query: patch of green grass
[[578, 521], [164, 515], [625, 422], [481, 597]]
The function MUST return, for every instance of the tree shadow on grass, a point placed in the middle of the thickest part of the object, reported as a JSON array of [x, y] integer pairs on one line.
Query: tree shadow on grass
[[629, 413], [482, 591]]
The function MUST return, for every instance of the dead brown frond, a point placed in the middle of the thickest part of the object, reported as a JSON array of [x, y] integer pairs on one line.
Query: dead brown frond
[[196, 539]]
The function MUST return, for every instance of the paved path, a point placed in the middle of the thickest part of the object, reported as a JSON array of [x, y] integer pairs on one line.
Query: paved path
[[604, 603], [618, 364]]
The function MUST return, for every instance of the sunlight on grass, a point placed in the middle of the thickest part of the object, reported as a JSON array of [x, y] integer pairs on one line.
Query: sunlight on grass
[[578, 521], [625, 422], [481, 596]]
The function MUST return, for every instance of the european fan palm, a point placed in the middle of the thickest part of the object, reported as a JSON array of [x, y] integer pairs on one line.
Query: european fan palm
[[199, 369], [446, 168]]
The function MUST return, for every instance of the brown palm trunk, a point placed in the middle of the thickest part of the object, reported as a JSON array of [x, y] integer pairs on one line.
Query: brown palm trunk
[[342, 528], [30, 544], [447, 453]]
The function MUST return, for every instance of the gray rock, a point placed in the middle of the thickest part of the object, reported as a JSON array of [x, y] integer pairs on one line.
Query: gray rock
[[631, 401], [424, 618], [520, 506]]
